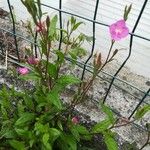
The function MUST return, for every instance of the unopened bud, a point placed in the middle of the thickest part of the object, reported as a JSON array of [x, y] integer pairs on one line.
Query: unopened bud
[[33, 61], [115, 52], [97, 60], [75, 120], [47, 22]]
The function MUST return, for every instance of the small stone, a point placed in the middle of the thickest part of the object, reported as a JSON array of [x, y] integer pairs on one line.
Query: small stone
[[147, 83]]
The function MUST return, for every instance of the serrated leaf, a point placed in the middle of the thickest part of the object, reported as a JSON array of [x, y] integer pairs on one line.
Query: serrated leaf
[[17, 145], [25, 119], [101, 126], [142, 111]]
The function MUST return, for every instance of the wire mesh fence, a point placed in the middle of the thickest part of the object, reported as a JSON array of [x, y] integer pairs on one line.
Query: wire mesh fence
[[85, 66]]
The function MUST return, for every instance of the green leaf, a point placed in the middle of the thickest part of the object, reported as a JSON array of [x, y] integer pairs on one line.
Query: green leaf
[[60, 56], [28, 101], [41, 128], [23, 132], [81, 129], [43, 46], [54, 134], [80, 132], [52, 70], [45, 138], [17, 145], [68, 142], [108, 112], [30, 76], [31, 7], [25, 119], [79, 51], [53, 23], [110, 142], [4, 112], [54, 99], [64, 81], [67, 80], [101, 126], [73, 20], [76, 26], [127, 11], [60, 125], [75, 133], [73, 56], [88, 38], [39, 8], [142, 111], [7, 133]]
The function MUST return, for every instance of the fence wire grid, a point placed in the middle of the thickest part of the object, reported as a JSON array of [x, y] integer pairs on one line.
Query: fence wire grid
[[85, 66]]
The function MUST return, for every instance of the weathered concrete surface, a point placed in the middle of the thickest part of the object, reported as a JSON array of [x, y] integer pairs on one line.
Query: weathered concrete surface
[[118, 99]]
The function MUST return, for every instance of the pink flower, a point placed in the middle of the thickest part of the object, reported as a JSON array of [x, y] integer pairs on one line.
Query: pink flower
[[40, 27], [23, 70], [32, 60], [75, 120], [118, 30]]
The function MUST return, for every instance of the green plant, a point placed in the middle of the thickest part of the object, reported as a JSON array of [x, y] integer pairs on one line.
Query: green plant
[[38, 118]]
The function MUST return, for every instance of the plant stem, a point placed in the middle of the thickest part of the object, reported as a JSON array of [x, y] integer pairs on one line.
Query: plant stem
[[94, 75], [112, 43], [47, 59], [120, 125]]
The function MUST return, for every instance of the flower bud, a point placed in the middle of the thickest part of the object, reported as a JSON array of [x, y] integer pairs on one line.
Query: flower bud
[[47, 22], [40, 27], [23, 70], [32, 60], [97, 61], [75, 120]]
